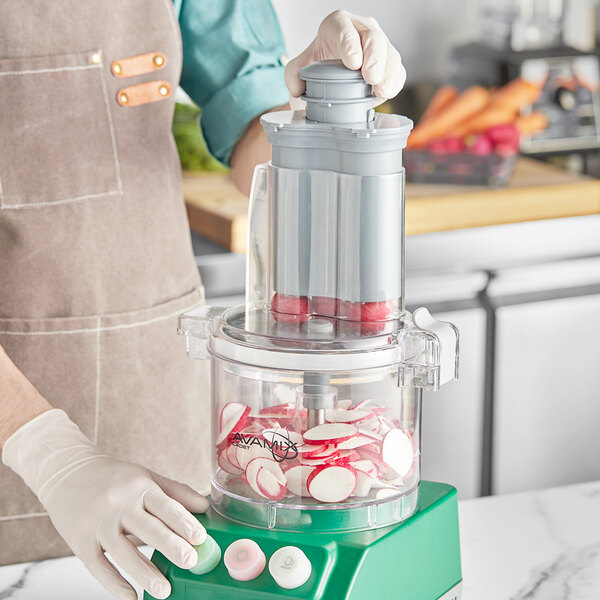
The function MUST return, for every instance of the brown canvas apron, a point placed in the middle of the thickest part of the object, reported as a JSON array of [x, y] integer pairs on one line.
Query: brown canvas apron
[[95, 254]]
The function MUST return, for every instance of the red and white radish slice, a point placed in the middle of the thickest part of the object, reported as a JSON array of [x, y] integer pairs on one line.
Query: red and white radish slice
[[331, 483], [226, 465], [278, 409], [375, 458], [346, 416], [348, 455], [237, 422], [315, 462], [297, 478], [384, 425], [364, 483], [344, 404], [365, 431], [362, 404], [366, 466], [330, 433], [307, 449], [371, 424], [327, 452], [231, 456], [282, 434], [228, 412], [269, 486], [272, 485], [397, 451], [246, 454], [355, 442]]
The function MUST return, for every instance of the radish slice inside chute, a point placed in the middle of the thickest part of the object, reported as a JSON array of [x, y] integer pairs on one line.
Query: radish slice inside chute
[[331, 483], [397, 451], [330, 433]]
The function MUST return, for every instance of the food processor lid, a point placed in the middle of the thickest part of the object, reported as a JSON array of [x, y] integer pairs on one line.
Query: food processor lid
[[254, 335]]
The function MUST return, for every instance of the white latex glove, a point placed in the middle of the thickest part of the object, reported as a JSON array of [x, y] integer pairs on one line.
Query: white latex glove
[[361, 44], [94, 500]]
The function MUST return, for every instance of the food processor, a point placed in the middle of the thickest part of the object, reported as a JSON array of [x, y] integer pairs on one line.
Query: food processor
[[317, 380]]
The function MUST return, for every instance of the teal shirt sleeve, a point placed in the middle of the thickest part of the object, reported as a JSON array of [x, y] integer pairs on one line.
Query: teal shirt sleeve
[[231, 65]]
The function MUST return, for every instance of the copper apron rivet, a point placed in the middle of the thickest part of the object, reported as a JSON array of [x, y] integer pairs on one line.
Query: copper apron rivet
[[123, 98], [158, 60], [96, 58], [117, 69], [163, 90]]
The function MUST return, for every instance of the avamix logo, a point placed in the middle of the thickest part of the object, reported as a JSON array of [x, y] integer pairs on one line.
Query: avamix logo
[[280, 445]]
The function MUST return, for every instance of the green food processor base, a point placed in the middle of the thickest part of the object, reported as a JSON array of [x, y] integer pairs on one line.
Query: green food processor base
[[418, 559]]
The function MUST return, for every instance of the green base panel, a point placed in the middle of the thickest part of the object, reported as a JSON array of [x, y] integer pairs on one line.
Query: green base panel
[[418, 559]]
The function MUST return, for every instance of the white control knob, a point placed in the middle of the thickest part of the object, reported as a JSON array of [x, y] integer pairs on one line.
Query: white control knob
[[290, 567]]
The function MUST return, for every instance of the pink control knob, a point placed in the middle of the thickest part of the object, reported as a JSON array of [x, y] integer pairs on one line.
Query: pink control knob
[[244, 560]]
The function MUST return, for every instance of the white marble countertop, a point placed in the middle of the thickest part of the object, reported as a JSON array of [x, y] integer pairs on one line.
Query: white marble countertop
[[530, 546]]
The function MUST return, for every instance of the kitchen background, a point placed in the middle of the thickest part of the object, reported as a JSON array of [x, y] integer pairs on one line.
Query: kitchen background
[[515, 264]]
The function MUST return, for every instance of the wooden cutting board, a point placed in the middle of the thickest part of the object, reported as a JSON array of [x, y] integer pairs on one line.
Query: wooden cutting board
[[536, 191]]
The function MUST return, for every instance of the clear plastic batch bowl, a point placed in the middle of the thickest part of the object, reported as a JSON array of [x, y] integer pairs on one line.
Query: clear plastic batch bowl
[[315, 425]]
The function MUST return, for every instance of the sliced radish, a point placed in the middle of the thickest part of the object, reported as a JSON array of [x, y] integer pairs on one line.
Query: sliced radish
[[236, 423], [346, 416], [307, 449], [372, 424], [355, 442], [226, 465], [364, 431], [344, 404], [282, 434], [320, 461], [364, 483], [327, 452], [228, 412], [384, 426], [397, 451], [231, 456], [375, 458], [278, 409], [269, 486], [297, 478], [330, 433], [272, 486], [362, 404], [366, 466], [246, 454], [348, 455], [331, 483]]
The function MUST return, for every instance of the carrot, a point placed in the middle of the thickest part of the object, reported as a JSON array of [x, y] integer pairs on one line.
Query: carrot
[[440, 99], [484, 119], [503, 107], [516, 94], [471, 101], [531, 123]]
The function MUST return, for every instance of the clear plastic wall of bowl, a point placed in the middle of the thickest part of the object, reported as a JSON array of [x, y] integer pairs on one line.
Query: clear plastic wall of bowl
[[264, 473], [327, 243]]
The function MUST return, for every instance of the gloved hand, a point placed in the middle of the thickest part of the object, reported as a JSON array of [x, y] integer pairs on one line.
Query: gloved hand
[[361, 44], [93, 500]]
